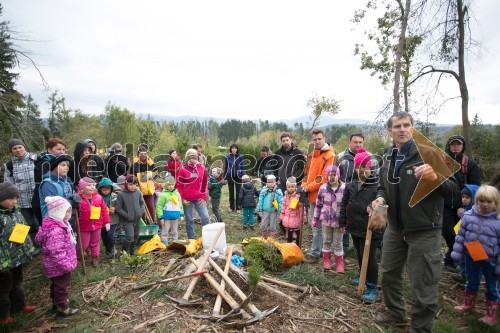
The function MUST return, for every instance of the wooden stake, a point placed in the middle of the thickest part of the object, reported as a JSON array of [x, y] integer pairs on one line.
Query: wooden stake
[[108, 288], [218, 300], [364, 262]]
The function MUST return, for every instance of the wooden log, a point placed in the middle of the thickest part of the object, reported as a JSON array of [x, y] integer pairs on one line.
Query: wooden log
[[108, 288], [154, 321], [218, 300]]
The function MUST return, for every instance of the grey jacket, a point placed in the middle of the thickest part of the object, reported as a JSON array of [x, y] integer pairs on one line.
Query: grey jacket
[[20, 172], [129, 206], [398, 187]]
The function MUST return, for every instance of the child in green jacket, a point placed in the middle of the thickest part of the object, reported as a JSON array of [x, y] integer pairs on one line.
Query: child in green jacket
[[215, 184], [169, 209]]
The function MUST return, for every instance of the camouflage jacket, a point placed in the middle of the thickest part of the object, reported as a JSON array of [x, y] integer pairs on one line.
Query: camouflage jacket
[[13, 254]]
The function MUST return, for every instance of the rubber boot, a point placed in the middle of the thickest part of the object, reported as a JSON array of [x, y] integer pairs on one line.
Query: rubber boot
[[272, 234], [339, 264], [491, 313], [469, 302], [370, 295], [28, 309], [7, 321], [327, 260], [263, 234], [95, 262]]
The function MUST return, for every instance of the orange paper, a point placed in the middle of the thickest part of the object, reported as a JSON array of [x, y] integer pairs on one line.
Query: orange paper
[[476, 251]]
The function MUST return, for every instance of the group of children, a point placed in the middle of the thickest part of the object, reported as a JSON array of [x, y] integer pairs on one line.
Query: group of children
[[339, 207]]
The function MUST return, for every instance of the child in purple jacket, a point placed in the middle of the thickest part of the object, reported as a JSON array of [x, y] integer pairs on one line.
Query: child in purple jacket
[[478, 239], [58, 244]]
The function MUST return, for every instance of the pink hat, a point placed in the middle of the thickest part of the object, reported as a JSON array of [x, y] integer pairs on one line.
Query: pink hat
[[362, 158], [57, 207], [333, 168], [84, 182]]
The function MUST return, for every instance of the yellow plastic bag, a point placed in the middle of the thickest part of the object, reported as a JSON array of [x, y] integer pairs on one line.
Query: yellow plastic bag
[[186, 247], [154, 243]]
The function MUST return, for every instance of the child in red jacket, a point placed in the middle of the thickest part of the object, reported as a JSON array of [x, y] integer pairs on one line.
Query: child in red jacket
[[93, 214]]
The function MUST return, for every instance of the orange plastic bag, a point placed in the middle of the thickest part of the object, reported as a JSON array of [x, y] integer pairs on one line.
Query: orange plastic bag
[[291, 253], [476, 251]]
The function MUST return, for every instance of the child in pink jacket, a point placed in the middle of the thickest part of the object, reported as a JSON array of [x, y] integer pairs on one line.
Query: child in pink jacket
[[291, 211], [93, 214], [58, 244]]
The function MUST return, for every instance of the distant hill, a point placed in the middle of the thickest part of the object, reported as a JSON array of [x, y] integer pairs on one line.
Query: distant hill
[[324, 120]]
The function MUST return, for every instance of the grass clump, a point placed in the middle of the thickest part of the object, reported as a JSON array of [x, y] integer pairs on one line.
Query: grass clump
[[304, 275]]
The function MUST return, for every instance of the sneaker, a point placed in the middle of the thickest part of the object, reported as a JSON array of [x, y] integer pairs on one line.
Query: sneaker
[[309, 259], [355, 281], [244, 227], [68, 312], [370, 295], [386, 318]]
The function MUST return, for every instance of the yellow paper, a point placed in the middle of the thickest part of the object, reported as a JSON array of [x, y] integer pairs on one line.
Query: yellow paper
[[457, 226], [174, 200], [95, 213], [275, 204], [19, 233], [293, 203]]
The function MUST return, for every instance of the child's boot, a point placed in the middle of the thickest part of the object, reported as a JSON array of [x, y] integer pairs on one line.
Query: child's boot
[[339, 264], [370, 295], [28, 309], [164, 240], [263, 233], [7, 321], [95, 262], [66, 312], [327, 260], [272, 234], [491, 313], [469, 302]]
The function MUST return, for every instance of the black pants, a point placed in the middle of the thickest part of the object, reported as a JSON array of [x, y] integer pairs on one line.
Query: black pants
[[11, 291], [359, 245], [449, 222], [290, 233], [234, 186]]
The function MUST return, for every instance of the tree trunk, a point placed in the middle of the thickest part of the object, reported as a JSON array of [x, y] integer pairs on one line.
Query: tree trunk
[[464, 92], [399, 53]]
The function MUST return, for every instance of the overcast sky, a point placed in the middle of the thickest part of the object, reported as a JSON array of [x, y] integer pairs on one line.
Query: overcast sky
[[239, 59]]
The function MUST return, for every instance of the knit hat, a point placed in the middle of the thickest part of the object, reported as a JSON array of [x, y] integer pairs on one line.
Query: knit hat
[[291, 180], [59, 159], [245, 178], [169, 180], [15, 142], [333, 168], [271, 179], [57, 207], [120, 180], [105, 182], [116, 188], [131, 179], [362, 158], [8, 191], [456, 139], [84, 182]]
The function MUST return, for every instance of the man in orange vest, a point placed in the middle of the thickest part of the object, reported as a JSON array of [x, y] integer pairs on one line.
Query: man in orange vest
[[322, 157]]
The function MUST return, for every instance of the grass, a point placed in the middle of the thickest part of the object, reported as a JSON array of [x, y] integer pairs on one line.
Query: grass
[[304, 275]]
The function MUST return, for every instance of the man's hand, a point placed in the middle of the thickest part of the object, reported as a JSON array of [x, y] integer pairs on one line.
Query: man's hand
[[425, 172], [202, 202], [107, 226]]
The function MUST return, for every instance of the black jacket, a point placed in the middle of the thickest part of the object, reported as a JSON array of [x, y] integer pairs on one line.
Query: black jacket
[[287, 163], [353, 213], [247, 196], [398, 188]]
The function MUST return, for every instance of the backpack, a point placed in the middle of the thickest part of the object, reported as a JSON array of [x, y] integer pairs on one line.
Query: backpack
[[60, 192]]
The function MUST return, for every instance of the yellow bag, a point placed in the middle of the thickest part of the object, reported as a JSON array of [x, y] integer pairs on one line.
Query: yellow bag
[[186, 247], [146, 187], [154, 243]]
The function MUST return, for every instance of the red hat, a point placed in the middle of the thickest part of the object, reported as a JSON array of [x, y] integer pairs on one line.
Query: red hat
[[362, 158]]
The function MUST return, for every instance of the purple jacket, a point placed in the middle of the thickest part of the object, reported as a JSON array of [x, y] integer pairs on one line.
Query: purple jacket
[[486, 229], [59, 253], [327, 210]]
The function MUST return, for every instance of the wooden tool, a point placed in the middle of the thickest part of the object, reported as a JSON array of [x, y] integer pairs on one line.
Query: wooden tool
[[218, 300], [364, 262]]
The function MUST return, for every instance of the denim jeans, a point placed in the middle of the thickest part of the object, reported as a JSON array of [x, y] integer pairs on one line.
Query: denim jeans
[[473, 270], [188, 211], [317, 241]]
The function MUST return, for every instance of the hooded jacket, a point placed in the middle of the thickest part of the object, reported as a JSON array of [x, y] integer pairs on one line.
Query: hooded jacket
[[482, 228], [130, 206], [287, 163], [109, 199], [357, 197], [59, 253], [327, 209], [116, 165], [247, 195], [215, 187], [192, 182], [473, 174], [86, 206], [345, 162], [316, 174], [266, 198], [397, 192], [53, 185], [234, 167], [290, 217], [13, 254], [169, 205]]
